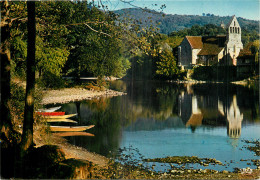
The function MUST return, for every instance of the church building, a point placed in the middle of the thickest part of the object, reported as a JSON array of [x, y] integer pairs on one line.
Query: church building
[[211, 50]]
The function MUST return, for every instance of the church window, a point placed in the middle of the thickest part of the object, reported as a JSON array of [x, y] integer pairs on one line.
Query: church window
[[238, 30], [230, 29], [235, 30], [234, 23]]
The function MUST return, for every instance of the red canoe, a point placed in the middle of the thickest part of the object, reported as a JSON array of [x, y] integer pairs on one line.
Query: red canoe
[[51, 113]]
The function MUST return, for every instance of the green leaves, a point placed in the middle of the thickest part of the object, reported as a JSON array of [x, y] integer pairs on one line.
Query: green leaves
[[166, 66]]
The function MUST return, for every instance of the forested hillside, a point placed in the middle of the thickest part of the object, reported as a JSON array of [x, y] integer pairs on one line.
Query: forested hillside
[[168, 22]]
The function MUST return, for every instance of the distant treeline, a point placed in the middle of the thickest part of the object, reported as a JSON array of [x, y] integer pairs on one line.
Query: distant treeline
[[169, 23]]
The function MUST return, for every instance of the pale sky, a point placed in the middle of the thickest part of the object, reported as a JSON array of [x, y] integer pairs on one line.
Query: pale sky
[[248, 9]]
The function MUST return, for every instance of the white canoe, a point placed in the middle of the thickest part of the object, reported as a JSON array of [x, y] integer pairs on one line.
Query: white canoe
[[49, 109], [70, 128]]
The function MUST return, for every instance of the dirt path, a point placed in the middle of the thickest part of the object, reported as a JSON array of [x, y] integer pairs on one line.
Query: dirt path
[[76, 152]]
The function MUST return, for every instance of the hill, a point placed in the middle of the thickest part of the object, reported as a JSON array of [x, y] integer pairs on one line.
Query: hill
[[169, 23]]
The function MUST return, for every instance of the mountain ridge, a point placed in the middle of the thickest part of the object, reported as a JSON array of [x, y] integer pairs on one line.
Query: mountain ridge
[[169, 22]]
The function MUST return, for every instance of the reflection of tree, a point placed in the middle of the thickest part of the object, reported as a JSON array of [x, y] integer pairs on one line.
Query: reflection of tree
[[105, 115], [150, 100]]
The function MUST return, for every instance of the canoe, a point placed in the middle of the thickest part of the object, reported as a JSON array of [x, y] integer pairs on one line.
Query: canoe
[[61, 120], [51, 113], [49, 109], [61, 117], [70, 128], [64, 134]]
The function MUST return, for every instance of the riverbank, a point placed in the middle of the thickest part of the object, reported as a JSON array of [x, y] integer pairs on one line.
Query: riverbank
[[74, 94], [245, 82]]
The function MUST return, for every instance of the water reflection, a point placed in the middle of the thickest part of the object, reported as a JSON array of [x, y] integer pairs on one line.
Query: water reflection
[[154, 112], [196, 110]]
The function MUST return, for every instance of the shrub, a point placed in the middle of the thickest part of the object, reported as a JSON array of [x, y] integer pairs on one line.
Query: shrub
[[49, 80]]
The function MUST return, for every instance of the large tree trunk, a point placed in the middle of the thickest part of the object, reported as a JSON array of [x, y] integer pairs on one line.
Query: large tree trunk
[[27, 136], [5, 123]]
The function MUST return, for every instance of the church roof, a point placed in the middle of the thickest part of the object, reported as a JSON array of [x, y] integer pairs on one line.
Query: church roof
[[233, 17], [195, 41], [212, 45]]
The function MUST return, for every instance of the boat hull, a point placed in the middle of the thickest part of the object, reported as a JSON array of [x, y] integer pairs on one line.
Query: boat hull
[[66, 134], [61, 117], [51, 113], [61, 120], [70, 128], [49, 109]]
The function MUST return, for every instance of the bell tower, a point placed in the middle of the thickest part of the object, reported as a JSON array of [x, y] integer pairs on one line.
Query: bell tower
[[234, 43]]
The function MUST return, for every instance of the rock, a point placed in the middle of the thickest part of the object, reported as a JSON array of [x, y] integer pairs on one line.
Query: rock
[[225, 172], [173, 171], [189, 171], [218, 162]]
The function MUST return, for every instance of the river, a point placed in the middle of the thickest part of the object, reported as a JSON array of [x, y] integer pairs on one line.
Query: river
[[159, 119]]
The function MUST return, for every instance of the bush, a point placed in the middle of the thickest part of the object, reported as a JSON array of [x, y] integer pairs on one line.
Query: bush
[[100, 85], [49, 80]]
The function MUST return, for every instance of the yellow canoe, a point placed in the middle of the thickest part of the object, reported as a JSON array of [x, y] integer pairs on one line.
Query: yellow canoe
[[70, 128], [61, 117], [64, 134]]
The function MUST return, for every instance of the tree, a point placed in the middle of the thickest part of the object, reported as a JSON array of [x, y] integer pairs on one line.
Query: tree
[[255, 51], [6, 125], [27, 136], [11, 18], [166, 66], [97, 49]]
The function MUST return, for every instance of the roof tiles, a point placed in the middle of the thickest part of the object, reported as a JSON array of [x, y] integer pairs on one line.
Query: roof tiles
[[195, 41]]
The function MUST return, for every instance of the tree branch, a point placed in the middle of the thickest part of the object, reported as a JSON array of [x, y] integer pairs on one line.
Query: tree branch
[[144, 9], [96, 30]]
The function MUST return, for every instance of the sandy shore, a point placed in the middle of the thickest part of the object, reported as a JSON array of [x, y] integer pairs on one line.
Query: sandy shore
[[74, 94]]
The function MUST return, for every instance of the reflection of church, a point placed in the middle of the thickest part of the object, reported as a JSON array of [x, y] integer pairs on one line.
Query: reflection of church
[[196, 110], [234, 118]]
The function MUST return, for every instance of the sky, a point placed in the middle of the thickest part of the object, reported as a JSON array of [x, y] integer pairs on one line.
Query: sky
[[248, 9]]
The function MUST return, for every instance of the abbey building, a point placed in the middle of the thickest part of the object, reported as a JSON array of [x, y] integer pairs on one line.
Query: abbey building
[[211, 50]]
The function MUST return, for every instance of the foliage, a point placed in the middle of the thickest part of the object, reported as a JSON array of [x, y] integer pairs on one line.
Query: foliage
[[95, 50], [50, 80], [100, 85], [19, 53], [50, 60], [51, 49], [166, 66], [215, 73], [255, 50], [196, 30]]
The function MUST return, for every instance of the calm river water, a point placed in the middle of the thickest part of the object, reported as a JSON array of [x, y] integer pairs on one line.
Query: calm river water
[[165, 119]]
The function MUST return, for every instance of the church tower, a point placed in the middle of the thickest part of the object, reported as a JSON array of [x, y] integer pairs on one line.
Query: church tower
[[234, 43]]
